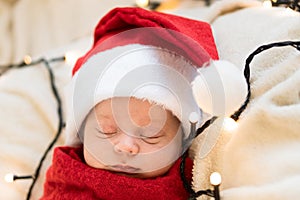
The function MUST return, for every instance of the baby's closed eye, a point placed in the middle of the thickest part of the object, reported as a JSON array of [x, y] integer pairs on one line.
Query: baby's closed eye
[[106, 133], [152, 138]]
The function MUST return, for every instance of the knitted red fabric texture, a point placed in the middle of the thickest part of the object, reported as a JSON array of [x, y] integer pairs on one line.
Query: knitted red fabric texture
[[70, 178]]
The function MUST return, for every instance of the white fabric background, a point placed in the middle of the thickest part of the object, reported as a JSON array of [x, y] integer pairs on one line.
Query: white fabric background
[[33, 26]]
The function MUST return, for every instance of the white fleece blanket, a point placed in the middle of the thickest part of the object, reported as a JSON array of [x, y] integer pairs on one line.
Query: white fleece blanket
[[260, 159], [29, 119]]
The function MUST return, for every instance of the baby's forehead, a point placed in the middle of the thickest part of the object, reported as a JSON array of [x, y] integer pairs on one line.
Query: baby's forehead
[[122, 111], [129, 105]]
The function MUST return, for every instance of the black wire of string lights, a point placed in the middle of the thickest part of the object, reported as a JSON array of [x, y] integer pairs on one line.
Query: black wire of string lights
[[293, 4], [215, 192], [26, 63]]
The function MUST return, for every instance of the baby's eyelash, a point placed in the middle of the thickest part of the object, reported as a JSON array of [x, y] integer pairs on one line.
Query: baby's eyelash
[[151, 140], [102, 134]]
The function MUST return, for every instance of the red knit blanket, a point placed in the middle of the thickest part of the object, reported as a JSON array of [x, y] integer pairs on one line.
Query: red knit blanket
[[70, 178]]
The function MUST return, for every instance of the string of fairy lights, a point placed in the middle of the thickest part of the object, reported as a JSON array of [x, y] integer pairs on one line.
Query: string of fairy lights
[[229, 123], [27, 62]]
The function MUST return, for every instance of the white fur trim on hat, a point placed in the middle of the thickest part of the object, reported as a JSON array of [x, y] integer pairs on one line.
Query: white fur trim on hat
[[141, 71]]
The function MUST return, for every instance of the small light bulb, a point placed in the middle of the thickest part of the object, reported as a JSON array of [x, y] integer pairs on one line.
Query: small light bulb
[[9, 178], [142, 3], [229, 124], [71, 57], [193, 118], [267, 4], [27, 59], [215, 179]]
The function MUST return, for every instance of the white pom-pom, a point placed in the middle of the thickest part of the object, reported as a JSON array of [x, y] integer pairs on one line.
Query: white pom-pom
[[220, 88]]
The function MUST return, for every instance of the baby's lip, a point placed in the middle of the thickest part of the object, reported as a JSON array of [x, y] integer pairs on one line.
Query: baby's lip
[[125, 168]]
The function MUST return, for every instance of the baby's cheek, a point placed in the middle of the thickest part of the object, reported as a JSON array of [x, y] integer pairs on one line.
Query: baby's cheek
[[91, 161]]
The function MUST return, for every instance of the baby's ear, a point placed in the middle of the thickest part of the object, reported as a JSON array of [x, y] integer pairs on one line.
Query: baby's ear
[[220, 88]]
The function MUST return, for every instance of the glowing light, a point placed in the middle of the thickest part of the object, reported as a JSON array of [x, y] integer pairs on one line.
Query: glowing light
[[229, 124], [71, 57], [215, 179], [27, 59], [267, 4], [9, 178], [142, 3], [193, 118]]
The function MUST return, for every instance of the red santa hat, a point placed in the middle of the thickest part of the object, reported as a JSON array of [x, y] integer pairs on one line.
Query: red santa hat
[[156, 57]]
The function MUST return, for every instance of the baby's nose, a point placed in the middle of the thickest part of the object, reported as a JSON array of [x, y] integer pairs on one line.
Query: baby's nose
[[127, 144]]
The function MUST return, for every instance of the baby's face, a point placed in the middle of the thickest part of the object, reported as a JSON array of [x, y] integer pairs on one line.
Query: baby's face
[[132, 137]]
